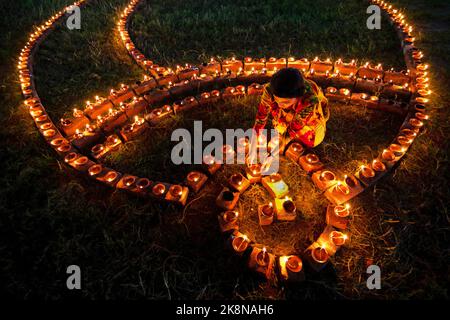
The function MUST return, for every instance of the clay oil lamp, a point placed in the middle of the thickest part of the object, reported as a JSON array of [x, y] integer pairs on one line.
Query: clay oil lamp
[[55, 143], [64, 148], [302, 64], [285, 209], [275, 185], [410, 134], [238, 182], [378, 166], [317, 256], [99, 150], [366, 174], [82, 163], [177, 194], [291, 268], [211, 164], [398, 150], [112, 142], [228, 221], [243, 145], [143, 185], [388, 157], [239, 242], [70, 157], [111, 177], [310, 162], [404, 141], [255, 89], [253, 173], [227, 199], [344, 190], [421, 116], [338, 238], [158, 190], [127, 182], [323, 179], [294, 151], [261, 261]]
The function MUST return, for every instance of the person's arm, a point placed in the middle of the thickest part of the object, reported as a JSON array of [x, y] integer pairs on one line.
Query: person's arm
[[264, 107]]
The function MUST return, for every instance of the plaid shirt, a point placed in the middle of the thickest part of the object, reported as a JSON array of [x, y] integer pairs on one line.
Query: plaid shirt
[[298, 119]]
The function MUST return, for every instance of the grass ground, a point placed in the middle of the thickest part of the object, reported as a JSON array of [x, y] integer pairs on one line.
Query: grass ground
[[131, 248]]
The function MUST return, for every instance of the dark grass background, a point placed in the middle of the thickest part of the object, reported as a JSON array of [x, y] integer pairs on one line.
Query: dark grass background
[[133, 248]]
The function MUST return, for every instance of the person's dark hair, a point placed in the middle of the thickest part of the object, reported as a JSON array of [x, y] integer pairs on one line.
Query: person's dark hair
[[287, 83]]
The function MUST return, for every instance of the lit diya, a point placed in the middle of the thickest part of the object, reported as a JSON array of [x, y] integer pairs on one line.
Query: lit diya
[[111, 176], [143, 183], [193, 176], [289, 206], [337, 238], [367, 172], [176, 191], [319, 255], [128, 181], [326, 176]]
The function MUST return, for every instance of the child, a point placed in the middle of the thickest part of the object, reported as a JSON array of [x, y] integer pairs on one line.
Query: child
[[297, 107]]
